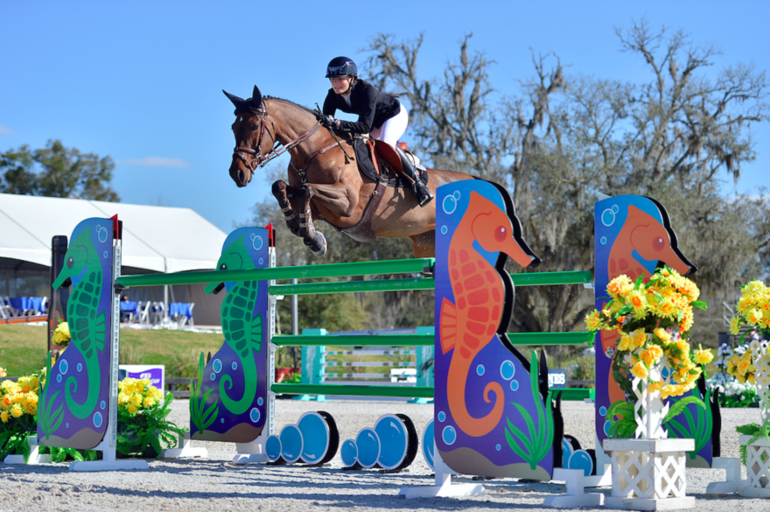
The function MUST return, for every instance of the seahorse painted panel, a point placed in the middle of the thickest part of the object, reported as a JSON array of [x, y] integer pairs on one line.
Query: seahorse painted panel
[[74, 405], [230, 396], [490, 418], [633, 236]]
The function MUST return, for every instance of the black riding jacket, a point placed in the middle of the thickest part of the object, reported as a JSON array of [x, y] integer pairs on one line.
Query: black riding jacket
[[372, 106]]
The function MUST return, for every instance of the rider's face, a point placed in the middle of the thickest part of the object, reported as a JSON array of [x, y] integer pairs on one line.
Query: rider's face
[[341, 84]]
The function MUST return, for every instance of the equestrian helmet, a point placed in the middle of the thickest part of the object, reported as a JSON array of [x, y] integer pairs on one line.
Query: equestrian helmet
[[341, 66]]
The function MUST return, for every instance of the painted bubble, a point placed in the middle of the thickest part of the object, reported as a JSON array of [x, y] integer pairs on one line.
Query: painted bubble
[[260, 401], [235, 365], [261, 261], [603, 410], [514, 385], [444, 230], [273, 447], [608, 217], [63, 366], [58, 378], [507, 370], [98, 420], [257, 241], [449, 204], [615, 208], [217, 365], [222, 420], [498, 447], [606, 428], [80, 367], [603, 240], [441, 416], [449, 435], [102, 404], [102, 233], [254, 415], [480, 369], [106, 255], [66, 425], [213, 376]]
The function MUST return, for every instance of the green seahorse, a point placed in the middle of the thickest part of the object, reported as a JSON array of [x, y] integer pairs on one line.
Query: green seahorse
[[87, 328], [242, 329]]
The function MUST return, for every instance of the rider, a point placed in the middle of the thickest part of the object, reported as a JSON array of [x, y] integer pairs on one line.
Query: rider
[[380, 114]]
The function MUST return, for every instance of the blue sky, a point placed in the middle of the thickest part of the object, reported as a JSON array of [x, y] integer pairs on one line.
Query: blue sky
[[141, 81]]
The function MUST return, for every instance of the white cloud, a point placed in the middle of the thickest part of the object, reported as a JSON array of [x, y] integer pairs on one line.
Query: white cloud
[[4, 130], [156, 161]]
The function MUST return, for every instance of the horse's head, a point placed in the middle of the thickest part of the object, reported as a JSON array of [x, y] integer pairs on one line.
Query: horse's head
[[249, 129]]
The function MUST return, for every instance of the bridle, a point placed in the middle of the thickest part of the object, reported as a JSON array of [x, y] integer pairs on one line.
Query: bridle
[[277, 150]]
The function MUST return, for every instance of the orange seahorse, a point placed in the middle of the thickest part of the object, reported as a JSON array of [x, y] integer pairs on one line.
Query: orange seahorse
[[652, 242], [469, 324]]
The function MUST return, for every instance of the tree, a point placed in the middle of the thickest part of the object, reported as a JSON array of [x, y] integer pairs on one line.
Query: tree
[[563, 139], [57, 171]]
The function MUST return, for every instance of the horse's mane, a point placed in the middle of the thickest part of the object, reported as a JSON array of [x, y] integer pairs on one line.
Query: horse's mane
[[309, 111]]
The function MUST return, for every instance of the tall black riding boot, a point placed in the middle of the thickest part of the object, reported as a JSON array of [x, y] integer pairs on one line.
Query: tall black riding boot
[[420, 190]]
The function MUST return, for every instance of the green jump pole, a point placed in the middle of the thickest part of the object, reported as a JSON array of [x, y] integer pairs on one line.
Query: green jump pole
[[574, 394], [348, 390], [550, 338], [358, 340], [363, 268], [378, 285], [552, 278]]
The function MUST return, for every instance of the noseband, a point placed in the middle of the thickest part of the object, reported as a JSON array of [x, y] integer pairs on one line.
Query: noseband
[[277, 150]]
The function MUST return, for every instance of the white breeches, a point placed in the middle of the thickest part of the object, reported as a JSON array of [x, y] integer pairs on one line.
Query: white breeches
[[392, 129]]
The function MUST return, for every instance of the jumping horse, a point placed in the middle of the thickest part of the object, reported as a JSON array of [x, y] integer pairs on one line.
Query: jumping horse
[[324, 180]]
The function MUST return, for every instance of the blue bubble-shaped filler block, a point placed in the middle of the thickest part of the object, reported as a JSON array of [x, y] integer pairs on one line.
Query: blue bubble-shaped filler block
[[581, 460], [98, 420], [566, 453], [348, 453], [394, 441], [315, 436], [254, 415], [507, 370], [428, 443], [63, 366], [449, 435], [273, 448], [217, 365], [291, 443], [368, 445]]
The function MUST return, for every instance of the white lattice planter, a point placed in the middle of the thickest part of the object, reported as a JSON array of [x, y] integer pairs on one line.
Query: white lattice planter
[[757, 468], [649, 474]]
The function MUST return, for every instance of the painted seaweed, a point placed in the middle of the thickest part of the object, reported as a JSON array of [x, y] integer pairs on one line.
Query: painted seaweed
[[201, 416], [535, 444], [49, 421]]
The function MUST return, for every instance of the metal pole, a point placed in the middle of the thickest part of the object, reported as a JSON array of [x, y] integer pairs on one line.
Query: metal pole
[[294, 323]]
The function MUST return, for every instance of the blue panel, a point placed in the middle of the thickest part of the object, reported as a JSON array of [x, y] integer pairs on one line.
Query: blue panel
[[315, 434], [291, 443], [393, 439], [368, 447]]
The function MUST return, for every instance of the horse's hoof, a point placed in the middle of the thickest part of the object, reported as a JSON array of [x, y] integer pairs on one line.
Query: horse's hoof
[[317, 245]]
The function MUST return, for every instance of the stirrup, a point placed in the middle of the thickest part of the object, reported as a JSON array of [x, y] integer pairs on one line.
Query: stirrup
[[422, 193]]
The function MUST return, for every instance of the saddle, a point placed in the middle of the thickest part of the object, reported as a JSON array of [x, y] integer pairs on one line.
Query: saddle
[[379, 162]]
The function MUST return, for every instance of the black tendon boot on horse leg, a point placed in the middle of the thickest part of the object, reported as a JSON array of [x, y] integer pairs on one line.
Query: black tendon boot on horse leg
[[313, 240], [420, 190], [280, 192]]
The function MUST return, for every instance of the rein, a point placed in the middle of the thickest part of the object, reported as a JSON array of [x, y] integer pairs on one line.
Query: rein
[[277, 150]]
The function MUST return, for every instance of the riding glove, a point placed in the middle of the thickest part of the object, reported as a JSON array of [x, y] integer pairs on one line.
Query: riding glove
[[327, 121]]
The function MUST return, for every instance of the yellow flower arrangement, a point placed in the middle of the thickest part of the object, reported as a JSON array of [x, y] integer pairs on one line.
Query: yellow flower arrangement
[[753, 308], [61, 335], [654, 320], [135, 395]]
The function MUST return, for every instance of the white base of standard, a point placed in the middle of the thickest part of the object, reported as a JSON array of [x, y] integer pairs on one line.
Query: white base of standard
[[649, 474], [184, 449], [446, 490], [576, 483], [732, 483], [34, 456], [757, 484], [253, 452]]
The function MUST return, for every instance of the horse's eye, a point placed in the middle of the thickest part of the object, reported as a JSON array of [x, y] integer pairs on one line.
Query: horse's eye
[[254, 127]]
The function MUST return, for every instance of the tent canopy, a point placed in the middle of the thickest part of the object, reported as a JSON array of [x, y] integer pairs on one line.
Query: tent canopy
[[155, 238]]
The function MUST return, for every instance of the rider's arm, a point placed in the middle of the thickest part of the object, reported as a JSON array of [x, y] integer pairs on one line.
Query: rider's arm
[[366, 103], [330, 106]]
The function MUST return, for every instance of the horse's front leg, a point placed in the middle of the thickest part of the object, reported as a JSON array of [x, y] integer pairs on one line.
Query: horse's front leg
[[281, 192], [314, 240]]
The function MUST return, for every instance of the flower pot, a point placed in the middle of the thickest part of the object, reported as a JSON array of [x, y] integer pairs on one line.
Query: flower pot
[[148, 452]]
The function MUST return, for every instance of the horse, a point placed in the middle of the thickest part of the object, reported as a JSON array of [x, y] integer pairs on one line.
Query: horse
[[323, 178]]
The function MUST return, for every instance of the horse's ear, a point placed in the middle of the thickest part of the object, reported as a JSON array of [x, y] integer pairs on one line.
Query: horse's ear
[[256, 98], [235, 99]]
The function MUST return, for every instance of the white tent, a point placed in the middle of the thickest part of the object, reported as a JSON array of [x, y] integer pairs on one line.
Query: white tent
[[155, 238]]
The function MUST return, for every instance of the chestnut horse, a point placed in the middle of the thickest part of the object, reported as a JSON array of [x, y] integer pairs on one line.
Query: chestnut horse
[[324, 181]]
